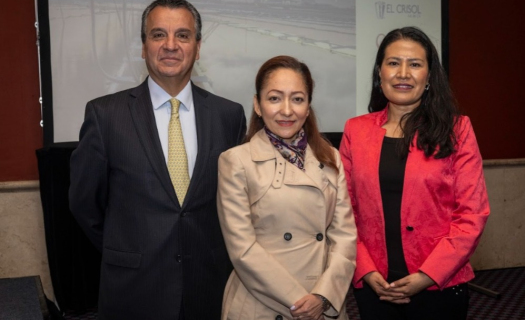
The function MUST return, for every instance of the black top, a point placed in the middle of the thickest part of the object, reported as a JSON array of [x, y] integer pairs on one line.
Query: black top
[[391, 178]]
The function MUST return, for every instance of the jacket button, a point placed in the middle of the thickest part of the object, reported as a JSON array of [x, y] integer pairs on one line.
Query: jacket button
[[288, 236], [279, 317], [179, 258], [410, 228], [319, 237], [184, 214]]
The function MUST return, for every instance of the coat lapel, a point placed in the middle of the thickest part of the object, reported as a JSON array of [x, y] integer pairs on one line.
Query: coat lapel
[[312, 176], [414, 166], [413, 172], [371, 152], [144, 120], [263, 152]]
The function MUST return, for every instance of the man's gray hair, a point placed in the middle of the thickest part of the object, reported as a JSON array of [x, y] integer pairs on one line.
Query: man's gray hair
[[172, 4]]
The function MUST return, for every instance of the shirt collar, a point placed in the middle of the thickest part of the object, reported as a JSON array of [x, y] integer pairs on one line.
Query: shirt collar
[[159, 97]]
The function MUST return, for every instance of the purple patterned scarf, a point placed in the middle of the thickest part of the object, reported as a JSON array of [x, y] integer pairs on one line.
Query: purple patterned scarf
[[294, 152]]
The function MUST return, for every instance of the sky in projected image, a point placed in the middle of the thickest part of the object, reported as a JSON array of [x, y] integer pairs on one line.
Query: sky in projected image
[[96, 50]]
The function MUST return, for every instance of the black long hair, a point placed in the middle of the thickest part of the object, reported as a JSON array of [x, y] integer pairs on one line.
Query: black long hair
[[435, 118]]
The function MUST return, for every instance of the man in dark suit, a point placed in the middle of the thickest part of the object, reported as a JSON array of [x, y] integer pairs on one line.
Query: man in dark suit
[[163, 255]]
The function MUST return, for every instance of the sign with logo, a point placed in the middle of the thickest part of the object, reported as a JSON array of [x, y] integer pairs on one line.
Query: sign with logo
[[410, 10]]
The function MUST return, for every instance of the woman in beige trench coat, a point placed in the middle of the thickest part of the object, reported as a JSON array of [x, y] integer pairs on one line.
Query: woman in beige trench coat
[[284, 208]]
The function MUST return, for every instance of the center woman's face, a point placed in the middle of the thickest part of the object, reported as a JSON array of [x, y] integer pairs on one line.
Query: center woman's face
[[284, 104], [404, 73]]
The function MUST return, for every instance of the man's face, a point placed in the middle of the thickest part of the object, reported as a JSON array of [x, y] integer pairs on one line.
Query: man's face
[[171, 47]]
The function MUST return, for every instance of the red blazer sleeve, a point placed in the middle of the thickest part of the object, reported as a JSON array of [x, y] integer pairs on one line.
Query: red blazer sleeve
[[469, 215], [364, 262]]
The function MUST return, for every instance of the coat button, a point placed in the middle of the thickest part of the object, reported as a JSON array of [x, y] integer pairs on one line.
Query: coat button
[[288, 236], [279, 317], [179, 258], [319, 237], [410, 228], [184, 214]]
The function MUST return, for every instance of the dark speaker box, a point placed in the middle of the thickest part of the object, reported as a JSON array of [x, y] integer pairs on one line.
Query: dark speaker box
[[22, 299]]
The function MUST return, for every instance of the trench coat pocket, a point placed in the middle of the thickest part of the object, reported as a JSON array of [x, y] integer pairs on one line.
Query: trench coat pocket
[[238, 303], [121, 258]]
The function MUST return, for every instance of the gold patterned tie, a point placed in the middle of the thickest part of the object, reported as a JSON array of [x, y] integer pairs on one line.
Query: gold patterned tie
[[177, 159]]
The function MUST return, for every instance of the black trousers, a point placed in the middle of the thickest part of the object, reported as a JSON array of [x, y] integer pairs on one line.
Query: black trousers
[[449, 304]]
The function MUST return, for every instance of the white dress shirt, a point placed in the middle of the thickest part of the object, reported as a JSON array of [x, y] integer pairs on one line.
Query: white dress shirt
[[162, 110]]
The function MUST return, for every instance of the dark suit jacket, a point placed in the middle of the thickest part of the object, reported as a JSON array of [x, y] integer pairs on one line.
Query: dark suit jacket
[[156, 254]]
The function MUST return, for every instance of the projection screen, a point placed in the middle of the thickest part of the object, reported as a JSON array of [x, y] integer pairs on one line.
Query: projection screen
[[95, 49]]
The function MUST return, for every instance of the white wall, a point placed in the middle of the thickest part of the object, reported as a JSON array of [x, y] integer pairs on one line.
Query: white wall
[[502, 242], [22, 238]]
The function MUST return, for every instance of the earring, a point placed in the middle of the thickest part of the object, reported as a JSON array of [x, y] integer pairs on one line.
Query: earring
[[427, 86]]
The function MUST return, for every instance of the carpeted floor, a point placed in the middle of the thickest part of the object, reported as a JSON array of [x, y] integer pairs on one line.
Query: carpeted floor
[[510, 283]]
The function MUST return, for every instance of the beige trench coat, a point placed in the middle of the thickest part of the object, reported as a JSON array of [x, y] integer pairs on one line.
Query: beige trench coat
[[288, 232]]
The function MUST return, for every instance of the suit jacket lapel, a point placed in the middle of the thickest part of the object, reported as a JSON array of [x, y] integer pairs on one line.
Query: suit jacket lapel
[[204, 139], [144, 120]]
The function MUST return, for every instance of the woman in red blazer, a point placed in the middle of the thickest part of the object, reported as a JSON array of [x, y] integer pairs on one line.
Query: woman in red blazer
[[415, 179]]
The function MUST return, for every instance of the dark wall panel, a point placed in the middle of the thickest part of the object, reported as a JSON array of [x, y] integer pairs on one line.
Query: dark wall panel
[[487, 66], [20, 131]]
